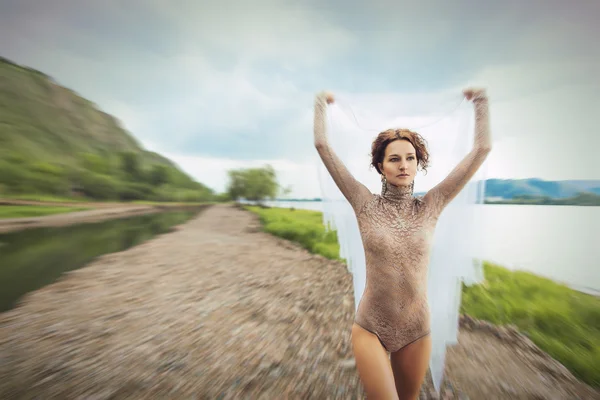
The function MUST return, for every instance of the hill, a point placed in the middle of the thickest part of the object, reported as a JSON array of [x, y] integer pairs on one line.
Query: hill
[[535, 187], [53, 141]]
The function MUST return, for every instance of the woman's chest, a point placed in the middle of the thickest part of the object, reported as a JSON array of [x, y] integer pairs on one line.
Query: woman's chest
[[388, 227]]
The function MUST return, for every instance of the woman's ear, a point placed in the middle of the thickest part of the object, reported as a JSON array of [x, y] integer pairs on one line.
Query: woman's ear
[[380, 165]]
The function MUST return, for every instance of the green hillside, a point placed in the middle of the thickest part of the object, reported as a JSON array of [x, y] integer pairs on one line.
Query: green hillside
[[53, 141]]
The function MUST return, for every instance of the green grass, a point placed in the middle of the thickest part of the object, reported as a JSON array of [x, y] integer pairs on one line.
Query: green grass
[[561, 321], [35, 211], [301, 226], [75, 200], [46, 198]]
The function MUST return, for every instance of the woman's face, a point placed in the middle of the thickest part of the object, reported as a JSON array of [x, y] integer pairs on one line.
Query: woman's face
[[399, 163]]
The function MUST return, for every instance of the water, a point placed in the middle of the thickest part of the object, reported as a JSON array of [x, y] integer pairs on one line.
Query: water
[[557, 242], [33, 258]]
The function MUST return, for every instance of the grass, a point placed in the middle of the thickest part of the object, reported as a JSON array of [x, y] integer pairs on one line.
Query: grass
[[301, 226], [46, 198], [35, 211], [75, 200], [561, 321]]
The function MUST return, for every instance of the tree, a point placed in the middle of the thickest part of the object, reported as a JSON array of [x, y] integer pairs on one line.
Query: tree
[[96, 163], [254, 184], [159, 175], [130, 165]]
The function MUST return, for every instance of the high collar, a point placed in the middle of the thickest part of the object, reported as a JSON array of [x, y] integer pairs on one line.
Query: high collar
[[396, 193]]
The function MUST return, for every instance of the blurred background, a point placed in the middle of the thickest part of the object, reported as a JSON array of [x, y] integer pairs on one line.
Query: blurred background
[[177, 137]]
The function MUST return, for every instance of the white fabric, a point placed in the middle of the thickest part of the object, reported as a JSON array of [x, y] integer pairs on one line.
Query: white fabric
[[446, 121]]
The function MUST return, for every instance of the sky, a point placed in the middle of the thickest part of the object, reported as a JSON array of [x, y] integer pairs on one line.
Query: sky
[[231, 85]]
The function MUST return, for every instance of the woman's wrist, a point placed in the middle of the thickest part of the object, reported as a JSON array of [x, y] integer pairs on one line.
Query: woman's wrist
[[321, 100]]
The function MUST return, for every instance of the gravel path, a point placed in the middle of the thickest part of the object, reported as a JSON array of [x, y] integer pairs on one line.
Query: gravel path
[[219, 310]]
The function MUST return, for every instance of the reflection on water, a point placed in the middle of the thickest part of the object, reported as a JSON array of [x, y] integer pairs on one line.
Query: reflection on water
[[33, 258]]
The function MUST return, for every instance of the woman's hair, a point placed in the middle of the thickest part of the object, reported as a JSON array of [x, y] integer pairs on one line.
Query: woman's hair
[[386, 137]]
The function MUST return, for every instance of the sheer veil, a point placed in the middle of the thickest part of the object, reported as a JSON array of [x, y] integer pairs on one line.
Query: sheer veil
[[446, 121]]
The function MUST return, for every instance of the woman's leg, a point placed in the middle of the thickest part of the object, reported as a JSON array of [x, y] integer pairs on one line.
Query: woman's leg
[[373, 365], [410, 365]]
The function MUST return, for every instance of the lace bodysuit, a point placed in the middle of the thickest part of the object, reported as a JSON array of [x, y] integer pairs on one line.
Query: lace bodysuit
[[397, 231]]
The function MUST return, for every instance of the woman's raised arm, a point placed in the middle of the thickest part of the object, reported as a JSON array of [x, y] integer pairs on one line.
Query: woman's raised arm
[[355, 192], [446, 190]]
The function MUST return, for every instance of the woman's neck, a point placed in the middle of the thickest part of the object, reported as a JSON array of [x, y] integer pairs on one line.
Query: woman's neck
[[396, 193]]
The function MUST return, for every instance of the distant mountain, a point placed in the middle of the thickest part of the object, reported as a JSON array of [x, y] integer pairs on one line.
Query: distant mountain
[[535, 187], [592, 186]]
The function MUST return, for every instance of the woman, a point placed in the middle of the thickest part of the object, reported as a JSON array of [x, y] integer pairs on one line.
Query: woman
[[390, 334]]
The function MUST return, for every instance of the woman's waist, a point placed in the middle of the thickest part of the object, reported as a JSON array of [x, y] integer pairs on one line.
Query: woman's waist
[[408, 265], [405, 294], [393, 279], [394, 307]]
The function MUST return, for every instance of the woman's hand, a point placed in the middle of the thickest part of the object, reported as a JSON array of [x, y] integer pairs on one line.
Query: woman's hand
[[475, 94], [327, 96]]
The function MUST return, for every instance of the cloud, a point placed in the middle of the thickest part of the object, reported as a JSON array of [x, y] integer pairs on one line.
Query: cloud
[[213, 172], [217, 88]]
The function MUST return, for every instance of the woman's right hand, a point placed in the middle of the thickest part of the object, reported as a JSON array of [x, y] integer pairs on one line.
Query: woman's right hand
[[327, 96], [475, 94]]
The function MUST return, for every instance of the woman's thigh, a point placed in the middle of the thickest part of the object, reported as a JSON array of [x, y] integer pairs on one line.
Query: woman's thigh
[[373, 365], [409, 365]]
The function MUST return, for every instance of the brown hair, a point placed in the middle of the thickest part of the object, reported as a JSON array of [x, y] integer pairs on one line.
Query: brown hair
[[386, 137]]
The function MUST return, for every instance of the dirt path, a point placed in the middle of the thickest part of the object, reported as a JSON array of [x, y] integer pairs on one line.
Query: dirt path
[[219, 310]]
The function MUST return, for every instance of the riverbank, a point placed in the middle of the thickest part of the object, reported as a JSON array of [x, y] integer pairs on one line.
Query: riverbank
[[560, 320], [21, 211], [220, 309], [94, 212], [66, 202]]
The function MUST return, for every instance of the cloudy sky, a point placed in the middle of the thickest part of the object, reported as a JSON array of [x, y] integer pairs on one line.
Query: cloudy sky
[[216, 87]]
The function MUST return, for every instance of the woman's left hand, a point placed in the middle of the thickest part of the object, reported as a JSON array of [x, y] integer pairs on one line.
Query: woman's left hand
[[475, 93]]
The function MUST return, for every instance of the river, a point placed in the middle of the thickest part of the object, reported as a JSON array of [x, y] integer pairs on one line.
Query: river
[[33, 258], [558, 242]]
